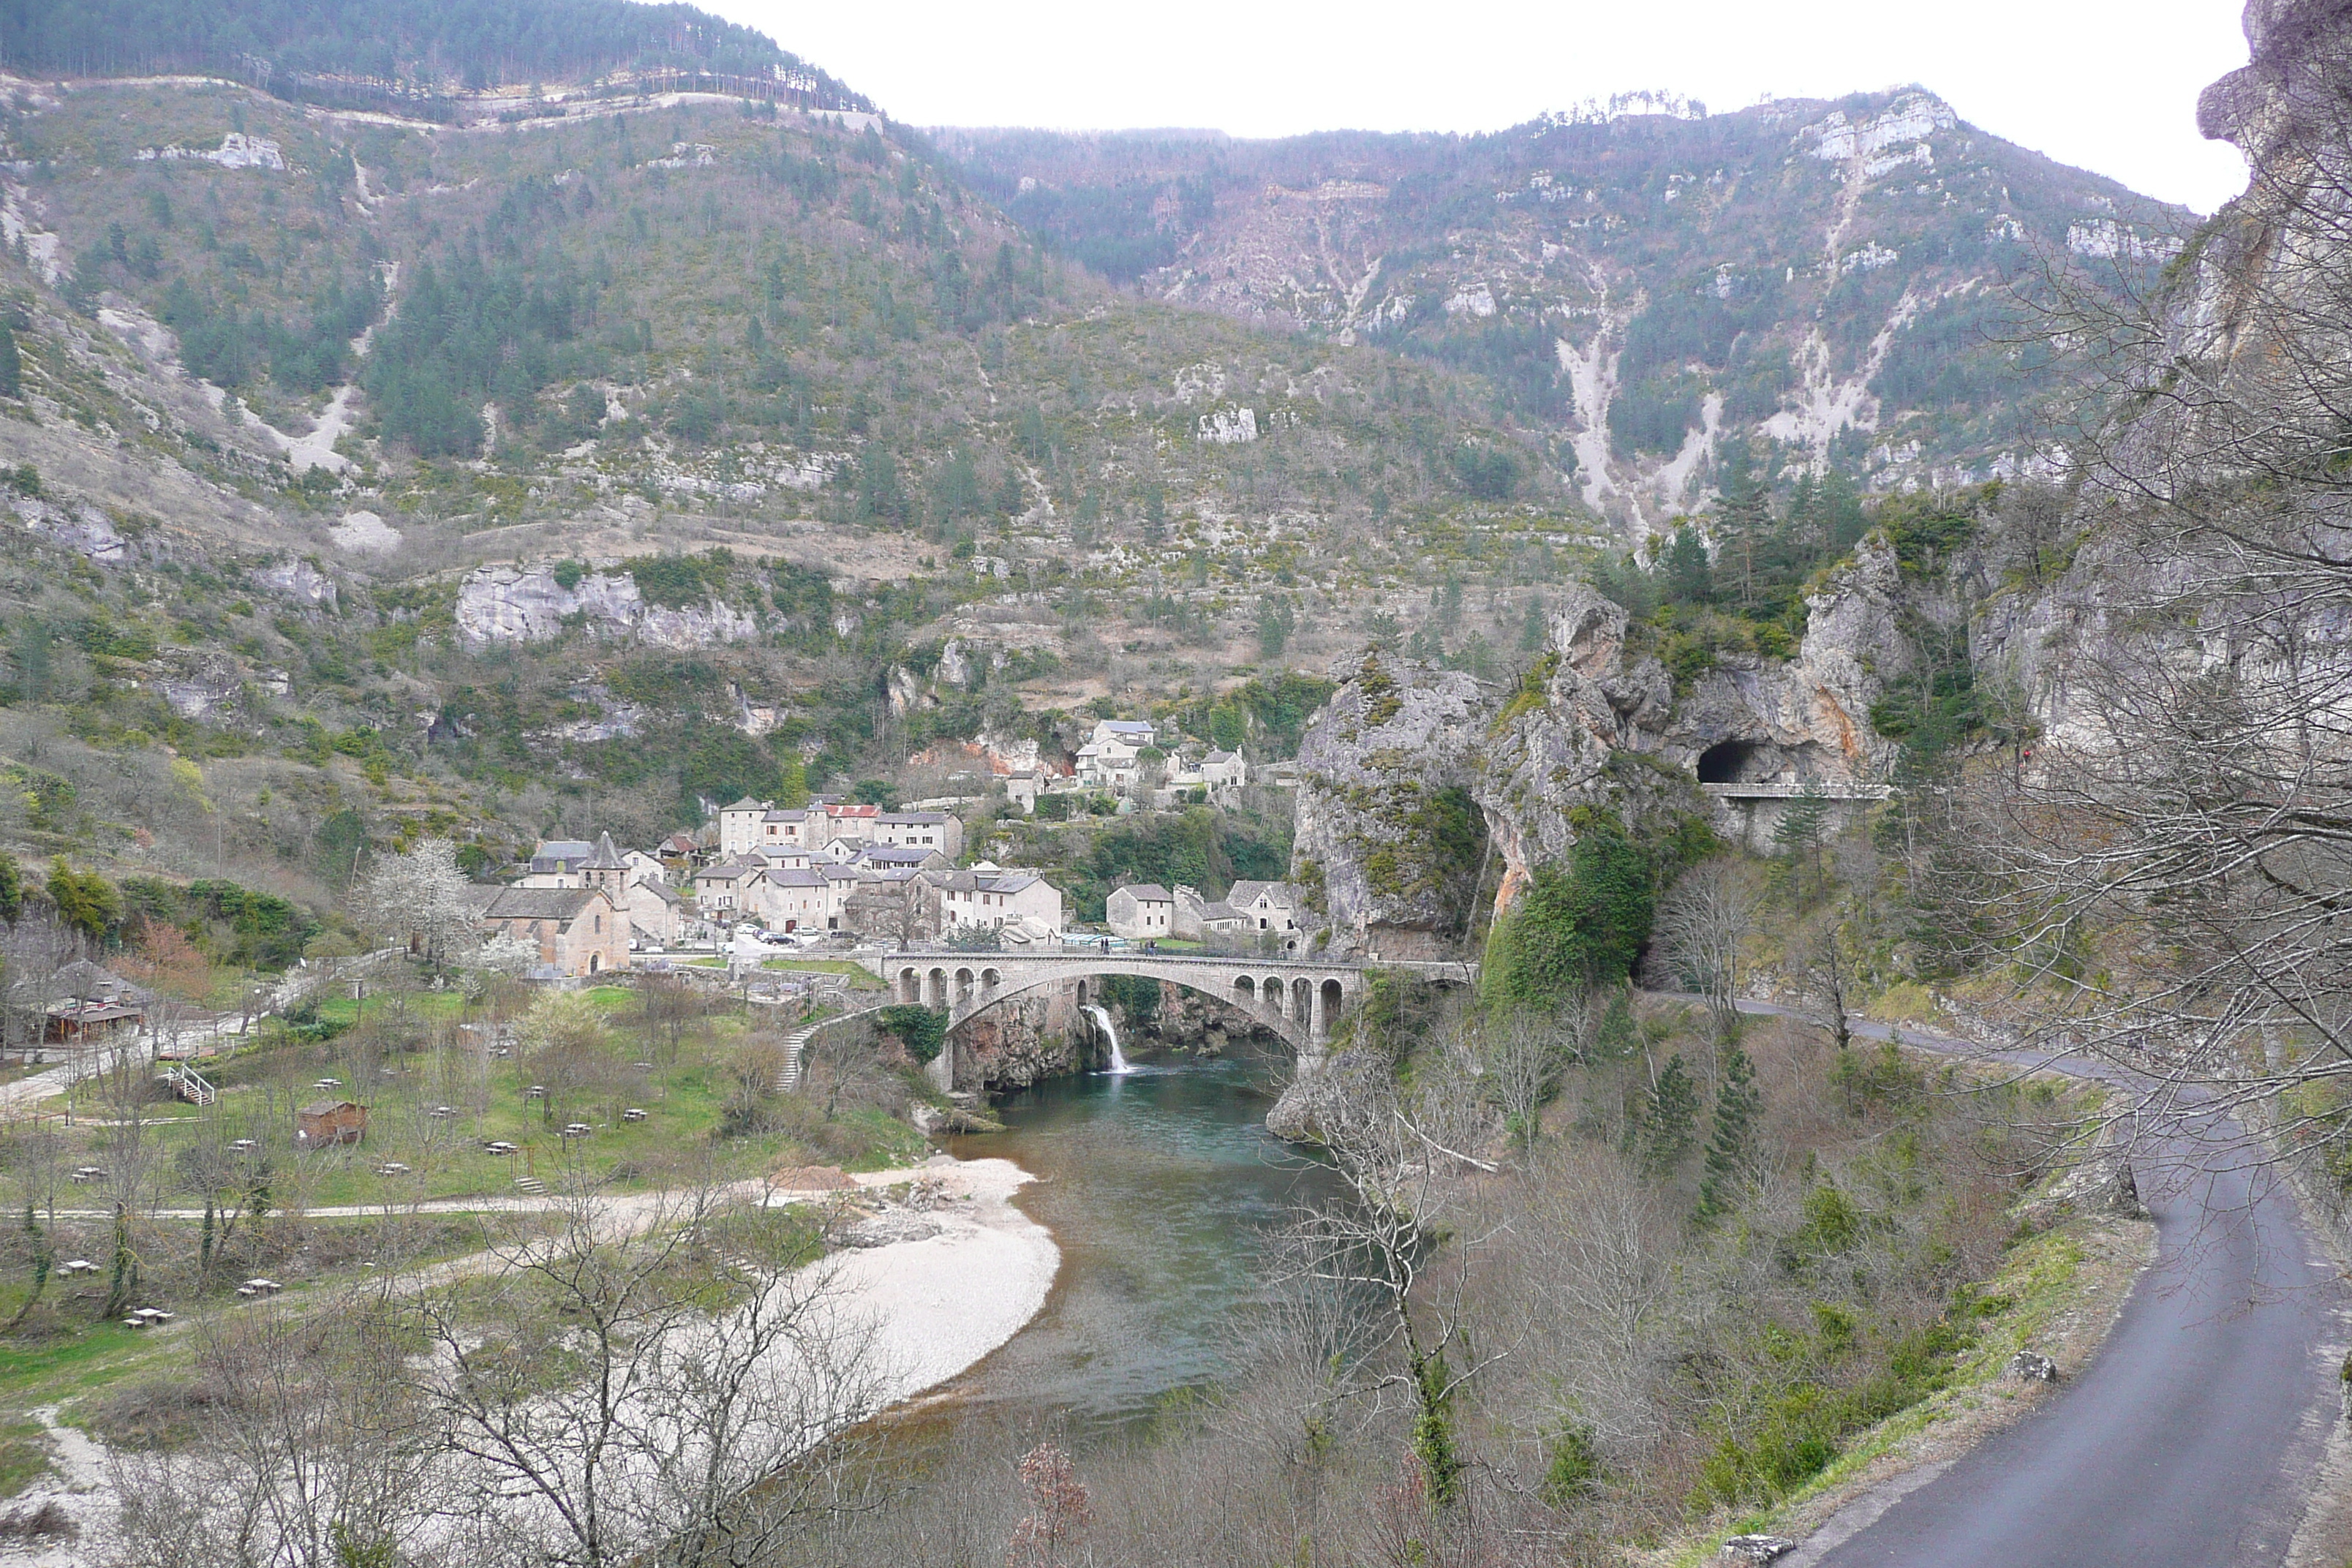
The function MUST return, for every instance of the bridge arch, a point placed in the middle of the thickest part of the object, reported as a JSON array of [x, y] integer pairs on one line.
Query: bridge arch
[[1298, 1000]]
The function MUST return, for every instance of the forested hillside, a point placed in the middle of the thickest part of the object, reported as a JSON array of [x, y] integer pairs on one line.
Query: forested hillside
[[416, 51], [1649, 284], [585, 454], [806, 461]]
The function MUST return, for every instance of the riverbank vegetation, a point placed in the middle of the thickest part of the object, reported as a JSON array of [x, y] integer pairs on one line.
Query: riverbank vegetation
[[1718, 1260]]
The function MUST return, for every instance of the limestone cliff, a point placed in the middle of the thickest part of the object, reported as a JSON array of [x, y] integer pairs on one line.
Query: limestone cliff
[[1385, 771], [1019, 1042], [510, 604], [1596, 722], [2233, 371]]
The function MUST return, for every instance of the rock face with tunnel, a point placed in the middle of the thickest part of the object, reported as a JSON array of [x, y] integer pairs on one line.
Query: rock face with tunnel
[[1597, 723]]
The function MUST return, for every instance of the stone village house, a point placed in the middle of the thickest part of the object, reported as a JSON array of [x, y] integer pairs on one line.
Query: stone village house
[[1141, 912], [578, 931]]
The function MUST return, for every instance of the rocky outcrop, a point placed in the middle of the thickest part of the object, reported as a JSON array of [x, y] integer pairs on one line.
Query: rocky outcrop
[[1806, 719], [1582, 704], [1018, 1042], [81, 527], [2290, 87], [511, 604], [300, 583], [1595, 725], [201, 683], [1384, 770]]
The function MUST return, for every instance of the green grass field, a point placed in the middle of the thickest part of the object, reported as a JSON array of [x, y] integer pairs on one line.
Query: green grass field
[[405, 1058]]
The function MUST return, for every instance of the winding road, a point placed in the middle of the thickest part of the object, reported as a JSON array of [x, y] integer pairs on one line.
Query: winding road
[[2195, 1436]]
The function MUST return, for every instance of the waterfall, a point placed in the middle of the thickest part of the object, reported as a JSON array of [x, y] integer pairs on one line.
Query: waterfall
[[1102, 1022]]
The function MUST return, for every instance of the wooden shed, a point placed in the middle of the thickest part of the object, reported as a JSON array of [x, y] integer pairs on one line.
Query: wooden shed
[[329, 1122]]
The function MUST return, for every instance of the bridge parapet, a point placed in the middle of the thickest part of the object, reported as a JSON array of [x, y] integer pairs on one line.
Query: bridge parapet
[[1301, 1000], [1792, 791]]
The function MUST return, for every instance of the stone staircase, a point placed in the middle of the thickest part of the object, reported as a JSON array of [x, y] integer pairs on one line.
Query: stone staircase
[[788, 1076], [530, 1186]]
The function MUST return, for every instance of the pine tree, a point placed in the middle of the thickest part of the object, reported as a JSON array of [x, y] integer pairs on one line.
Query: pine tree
[[1617, 1036], [1688, 575], [1797, 834], [12, 371], [1744, 522], [1532, 629], [1669, 1117], [1736, 1105]]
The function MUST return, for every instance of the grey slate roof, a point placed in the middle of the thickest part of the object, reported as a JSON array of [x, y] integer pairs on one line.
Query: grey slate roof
[[562, 855], [1148, 893], [540, 903]]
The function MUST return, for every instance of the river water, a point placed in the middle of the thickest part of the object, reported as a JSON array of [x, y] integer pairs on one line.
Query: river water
[[1160, 1187]]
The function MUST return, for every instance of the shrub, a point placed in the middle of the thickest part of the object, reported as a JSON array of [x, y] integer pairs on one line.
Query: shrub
[[1578, 926], [922, 1030]]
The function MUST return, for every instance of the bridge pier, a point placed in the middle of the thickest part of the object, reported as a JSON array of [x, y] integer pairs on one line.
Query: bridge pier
[[1301, 1000]]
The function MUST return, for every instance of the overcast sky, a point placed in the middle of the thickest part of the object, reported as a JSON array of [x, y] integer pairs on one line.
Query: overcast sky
[[2110, 85]]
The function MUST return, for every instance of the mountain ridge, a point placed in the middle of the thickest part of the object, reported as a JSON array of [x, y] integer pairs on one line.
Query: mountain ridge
[[1553, 241]]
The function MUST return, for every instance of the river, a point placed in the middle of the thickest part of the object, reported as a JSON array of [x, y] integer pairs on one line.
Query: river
[[1160, 1185]]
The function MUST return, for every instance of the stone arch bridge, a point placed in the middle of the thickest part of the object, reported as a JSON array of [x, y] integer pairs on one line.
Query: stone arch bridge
[[1300, 1000]]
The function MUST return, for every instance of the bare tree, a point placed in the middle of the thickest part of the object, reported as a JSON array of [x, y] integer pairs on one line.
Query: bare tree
[[1392, 1154], [625, 1383], [2170, 866], [312, 1448], [1521, 1056], [669, 1006], [1824, 971], [1701, 924], [40, 953]]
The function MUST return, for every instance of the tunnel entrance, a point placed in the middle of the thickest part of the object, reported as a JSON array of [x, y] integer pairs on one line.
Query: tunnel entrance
[[1724, 762]]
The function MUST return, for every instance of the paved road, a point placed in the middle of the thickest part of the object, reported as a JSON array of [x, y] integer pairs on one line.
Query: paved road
[[2192, 1438]]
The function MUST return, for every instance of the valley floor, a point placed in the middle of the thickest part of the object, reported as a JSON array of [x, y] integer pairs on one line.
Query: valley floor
[[941, 1287]]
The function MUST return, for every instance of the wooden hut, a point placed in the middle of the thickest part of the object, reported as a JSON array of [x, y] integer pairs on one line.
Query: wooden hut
[[329, 1122]]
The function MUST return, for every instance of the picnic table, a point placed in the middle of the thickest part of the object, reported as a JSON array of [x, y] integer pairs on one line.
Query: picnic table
[[632, 1114], [577, 1130], [259, 1287], [501, 1148], [392, 1168], [146, 1318], [89, 1173], [73, 1266]]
